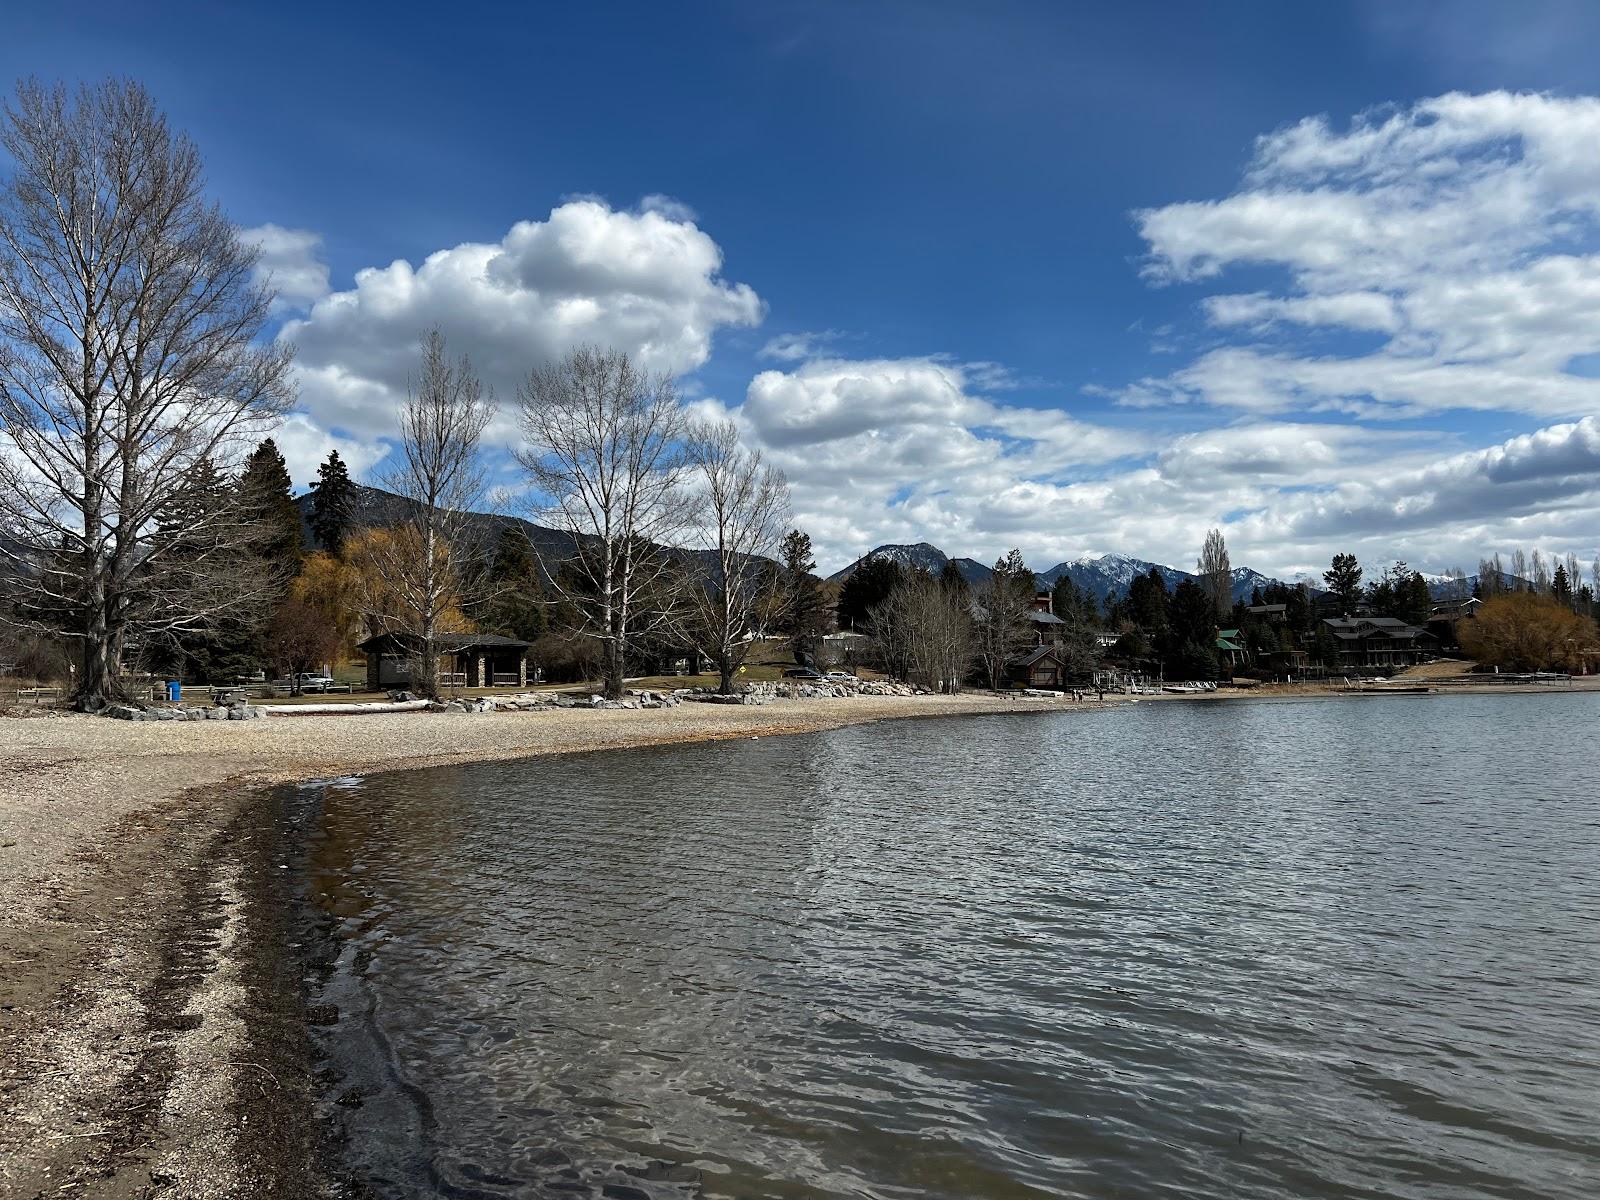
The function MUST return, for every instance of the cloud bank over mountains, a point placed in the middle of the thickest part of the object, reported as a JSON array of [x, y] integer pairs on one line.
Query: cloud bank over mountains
[[1393, 348]]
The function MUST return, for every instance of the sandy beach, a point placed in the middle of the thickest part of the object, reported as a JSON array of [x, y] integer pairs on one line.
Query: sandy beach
[[150, 1040]]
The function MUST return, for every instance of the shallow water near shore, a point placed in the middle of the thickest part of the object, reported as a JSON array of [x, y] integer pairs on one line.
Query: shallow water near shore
[[1298, 949]]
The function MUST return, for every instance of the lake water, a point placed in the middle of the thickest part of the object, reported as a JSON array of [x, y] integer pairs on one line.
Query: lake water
[[1268, 949]]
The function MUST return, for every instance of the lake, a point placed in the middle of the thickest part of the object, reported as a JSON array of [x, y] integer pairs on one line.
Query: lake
[[1291, 949]]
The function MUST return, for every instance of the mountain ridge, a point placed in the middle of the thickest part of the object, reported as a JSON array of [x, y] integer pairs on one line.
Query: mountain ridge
[[1099, 575]]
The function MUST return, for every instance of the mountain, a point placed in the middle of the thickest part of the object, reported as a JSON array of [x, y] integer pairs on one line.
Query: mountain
[[1246, 581], [1102, 576], [921, 554], [375, 507], [1109, 574]]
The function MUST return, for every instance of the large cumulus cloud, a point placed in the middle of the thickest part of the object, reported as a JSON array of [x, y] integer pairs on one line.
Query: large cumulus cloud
[[648, 282]]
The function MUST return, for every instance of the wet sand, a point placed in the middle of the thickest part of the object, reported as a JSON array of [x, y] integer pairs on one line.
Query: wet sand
[[151, 1029]]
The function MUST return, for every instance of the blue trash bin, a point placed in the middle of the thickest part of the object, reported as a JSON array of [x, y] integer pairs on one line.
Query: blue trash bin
[[174, 690]]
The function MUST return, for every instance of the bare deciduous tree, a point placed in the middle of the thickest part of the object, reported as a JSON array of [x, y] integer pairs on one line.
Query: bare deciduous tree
[[129, 366], [423, 565], [741, 506], [1000, 613], [1519, 568], [926, 634], [1216, 572], [299, 638], [603, 444]]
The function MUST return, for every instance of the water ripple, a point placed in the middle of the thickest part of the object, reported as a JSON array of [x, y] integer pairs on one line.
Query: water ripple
[[1273, 951]]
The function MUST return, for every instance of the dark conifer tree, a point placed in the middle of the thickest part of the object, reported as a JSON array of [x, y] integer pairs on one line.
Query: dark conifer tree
[[1148, 603], [952, 580], [515, 603], [867, 587], [1343, 578], [266, 492], [229, 646], [1414, 600], [1561, 586], [1189, 649], [805, 610], [332, 498]]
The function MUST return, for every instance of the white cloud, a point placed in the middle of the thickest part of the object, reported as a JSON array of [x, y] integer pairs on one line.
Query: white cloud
[[304, 446], [881, 450], [1537, 488], [1454, 228], [797, 347], [647, 282], [290, 262], [1351, 310]]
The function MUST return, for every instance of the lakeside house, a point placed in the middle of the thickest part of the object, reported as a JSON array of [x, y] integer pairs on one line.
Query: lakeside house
[[1445, 617], [1462, 608], [1378, 641], [465, 660], [1232, 653], [1042, 665]]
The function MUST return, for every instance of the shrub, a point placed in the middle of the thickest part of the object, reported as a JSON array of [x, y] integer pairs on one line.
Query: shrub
[[1524, 631]]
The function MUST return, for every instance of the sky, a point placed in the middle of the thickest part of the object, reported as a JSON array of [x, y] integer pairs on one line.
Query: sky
[[1072, 278]]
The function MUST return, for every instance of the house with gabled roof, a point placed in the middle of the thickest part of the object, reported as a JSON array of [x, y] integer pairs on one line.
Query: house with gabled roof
[[1041, 667], [465, 660], [1379, 641], [1232, 653]]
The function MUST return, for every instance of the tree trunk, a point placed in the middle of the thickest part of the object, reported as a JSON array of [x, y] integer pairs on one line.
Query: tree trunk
[[429, 666], [611, 685], [725, 670], [95, 684]]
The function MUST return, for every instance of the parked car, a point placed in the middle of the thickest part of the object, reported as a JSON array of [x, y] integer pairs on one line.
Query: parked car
[[840, 677], [308, 681], [808, 673]]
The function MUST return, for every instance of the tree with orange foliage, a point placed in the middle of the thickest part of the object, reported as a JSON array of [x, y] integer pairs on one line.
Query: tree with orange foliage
[[332, 589], [382, 565], [1525, 631]]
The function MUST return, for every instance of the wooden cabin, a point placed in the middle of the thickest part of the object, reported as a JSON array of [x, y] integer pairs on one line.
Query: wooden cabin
[[474, 660]]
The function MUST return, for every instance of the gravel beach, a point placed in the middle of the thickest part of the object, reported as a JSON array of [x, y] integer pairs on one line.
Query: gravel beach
[[151, 1041]]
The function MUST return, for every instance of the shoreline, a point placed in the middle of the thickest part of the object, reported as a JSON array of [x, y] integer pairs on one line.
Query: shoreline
[[153, 1035], [152, 1029]]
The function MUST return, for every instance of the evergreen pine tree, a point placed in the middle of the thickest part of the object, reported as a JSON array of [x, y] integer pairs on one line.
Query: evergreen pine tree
[[867, 587], [516, 605], [266, 493], [1343, 578], [1561, 585], [1415, 600], [805, 608], [952, 580], [332, 497], [229, 646]]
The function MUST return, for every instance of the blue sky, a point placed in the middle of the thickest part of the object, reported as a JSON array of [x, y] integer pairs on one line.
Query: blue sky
[[982, 275]]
